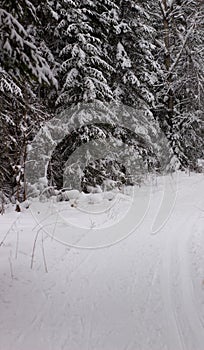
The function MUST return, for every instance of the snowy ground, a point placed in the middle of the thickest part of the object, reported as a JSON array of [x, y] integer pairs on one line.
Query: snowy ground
[[116, 274]]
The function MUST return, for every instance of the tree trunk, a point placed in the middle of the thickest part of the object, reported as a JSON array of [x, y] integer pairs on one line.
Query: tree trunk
[[166, 10]]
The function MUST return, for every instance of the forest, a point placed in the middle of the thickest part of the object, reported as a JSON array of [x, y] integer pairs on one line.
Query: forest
[[78, 60], [101, 175]]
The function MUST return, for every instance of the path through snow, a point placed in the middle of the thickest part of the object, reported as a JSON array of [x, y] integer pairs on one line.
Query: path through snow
[[144, 293]]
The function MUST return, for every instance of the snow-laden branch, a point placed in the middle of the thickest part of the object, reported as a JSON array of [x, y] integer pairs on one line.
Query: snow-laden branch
[[174, 64]]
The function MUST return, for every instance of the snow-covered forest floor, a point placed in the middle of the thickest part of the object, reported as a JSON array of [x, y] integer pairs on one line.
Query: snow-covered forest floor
[[101, 274]]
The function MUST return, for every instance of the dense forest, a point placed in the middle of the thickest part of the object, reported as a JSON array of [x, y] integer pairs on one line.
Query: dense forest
[[57, 55]]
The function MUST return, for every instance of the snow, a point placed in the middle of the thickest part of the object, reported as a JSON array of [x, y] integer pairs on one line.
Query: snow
[[200, 163], [123, 57], [144, 290]]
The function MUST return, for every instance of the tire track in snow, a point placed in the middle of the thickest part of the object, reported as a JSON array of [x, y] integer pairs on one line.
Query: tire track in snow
[[187, 317], [173, 332], [188, 295]]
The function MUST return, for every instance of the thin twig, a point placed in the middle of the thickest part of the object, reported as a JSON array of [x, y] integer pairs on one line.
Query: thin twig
[[33, 251], [43, 252], [7, 233], [11, 267]]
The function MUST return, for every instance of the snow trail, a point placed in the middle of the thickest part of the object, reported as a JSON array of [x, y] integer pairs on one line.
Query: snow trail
[[140, 294]]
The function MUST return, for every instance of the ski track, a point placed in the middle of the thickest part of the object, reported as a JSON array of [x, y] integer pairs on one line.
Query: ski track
[[138, 295], [176, 263]]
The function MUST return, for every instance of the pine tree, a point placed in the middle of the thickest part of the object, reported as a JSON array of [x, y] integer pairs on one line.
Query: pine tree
[[104, 55], [133, 47], [179, 92], [84, 66], [22, 69], [189, 94]]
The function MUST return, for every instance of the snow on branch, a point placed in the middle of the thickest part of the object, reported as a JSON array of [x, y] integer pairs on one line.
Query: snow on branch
[[189, 32]]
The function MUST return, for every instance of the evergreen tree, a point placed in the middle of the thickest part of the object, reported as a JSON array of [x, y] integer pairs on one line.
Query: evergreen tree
[[22, 69], [84, 65], [133, 54], [179, 92]]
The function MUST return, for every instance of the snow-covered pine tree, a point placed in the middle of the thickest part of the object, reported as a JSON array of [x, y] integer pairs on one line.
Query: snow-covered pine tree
[[180, 89], [48, 46], [84, 65], [132, 54], [102, 47], [84, 68], [131, 47], [19, 53], [22, 68], [188, 65]]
